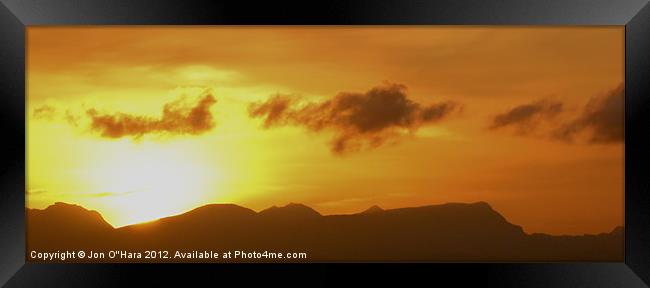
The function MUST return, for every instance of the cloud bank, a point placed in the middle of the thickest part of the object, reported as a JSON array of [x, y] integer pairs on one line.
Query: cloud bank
[[359, 120]]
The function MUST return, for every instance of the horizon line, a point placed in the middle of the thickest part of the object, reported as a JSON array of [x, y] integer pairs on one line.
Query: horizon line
[[322, 215]]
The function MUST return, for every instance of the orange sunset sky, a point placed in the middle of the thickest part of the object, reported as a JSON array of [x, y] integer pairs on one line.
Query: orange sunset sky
[[144, 122]]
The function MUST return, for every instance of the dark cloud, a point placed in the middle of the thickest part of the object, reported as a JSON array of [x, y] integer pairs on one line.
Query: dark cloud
[[602, 116], [601, 119], [177, 118], [360, 120], [525, 117]]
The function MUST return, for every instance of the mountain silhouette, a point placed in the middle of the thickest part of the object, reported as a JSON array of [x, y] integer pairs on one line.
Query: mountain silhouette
[[373, 209], [65, 223], [447, 232], [292, 211]]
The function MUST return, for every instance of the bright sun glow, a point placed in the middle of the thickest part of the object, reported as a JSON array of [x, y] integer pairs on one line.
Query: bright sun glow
[[149, 181]]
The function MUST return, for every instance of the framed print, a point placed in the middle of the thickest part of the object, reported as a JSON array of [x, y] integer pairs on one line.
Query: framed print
[[505, 140]]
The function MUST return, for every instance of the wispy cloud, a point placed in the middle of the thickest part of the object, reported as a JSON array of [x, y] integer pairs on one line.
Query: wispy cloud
[[603, 116], [526, 117], [46, 112], [601, 119]]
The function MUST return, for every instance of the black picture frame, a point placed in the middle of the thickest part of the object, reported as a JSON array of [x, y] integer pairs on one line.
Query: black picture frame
[[15, 15]]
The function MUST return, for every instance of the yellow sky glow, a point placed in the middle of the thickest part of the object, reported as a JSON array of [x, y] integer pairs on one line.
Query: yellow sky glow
[[542, 184]]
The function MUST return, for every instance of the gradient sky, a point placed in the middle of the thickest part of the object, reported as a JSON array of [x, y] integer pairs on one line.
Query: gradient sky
[[532, 128]]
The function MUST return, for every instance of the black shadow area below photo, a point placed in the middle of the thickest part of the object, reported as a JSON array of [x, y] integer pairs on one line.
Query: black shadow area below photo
[[460, 274]]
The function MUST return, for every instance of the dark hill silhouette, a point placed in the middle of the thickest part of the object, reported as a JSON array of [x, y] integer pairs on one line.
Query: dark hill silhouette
[[62, 222], [448, 232], [292, 211], [62, 213], [373, 209]]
